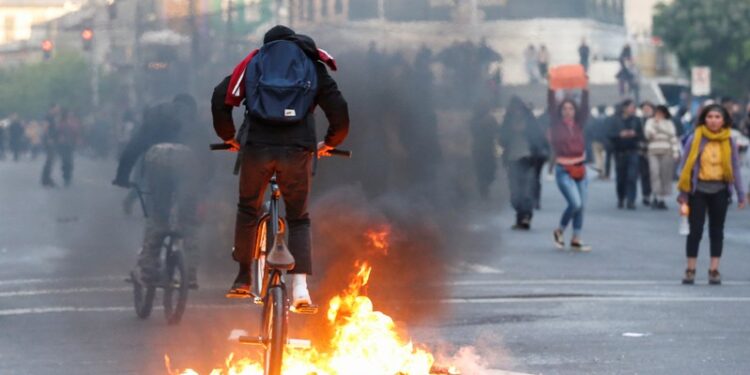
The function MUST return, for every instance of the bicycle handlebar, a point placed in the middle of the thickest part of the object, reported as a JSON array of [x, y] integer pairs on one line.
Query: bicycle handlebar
[[219, 146], [334, 152]]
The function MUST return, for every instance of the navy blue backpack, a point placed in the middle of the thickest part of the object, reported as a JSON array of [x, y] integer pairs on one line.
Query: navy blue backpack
[[280, 83]]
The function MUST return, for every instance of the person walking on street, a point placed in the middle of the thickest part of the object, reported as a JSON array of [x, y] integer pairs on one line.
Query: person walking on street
[[568, 144], [663, 152], [50, 141], [600, 142], [523, 144], [584, 53], [644, 172], [543, 61], [16, 141], [531, 64], [626, 135], [709, 173], [484, 134]]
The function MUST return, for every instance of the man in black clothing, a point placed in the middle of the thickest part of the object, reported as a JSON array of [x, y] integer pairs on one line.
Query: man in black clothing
[[285, 150], [174, 173], [583, 53], [626, 134]]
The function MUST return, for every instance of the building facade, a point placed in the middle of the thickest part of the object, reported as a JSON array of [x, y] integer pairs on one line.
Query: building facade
[[18, 16]]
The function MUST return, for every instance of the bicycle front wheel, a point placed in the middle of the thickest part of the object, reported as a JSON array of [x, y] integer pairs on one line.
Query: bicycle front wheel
[[274, 329], [143, 298], [175, 287]]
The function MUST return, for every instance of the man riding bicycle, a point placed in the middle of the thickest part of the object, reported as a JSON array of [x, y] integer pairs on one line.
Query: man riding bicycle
[[174, 175], [284, 149]]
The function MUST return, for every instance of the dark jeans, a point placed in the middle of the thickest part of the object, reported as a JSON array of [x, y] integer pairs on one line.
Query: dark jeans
[[627, 164], [65, 153], [293, 169], [537, 186], [645, 176], [715, 206], [522, 181], [608, 162]]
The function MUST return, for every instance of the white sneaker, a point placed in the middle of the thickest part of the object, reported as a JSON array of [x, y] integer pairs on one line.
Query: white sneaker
[[300, 294]]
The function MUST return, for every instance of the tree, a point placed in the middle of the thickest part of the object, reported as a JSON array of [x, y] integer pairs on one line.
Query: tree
[[31, 89], [710, 33]]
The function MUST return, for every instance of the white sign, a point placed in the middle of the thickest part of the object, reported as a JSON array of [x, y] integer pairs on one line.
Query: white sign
[[701, 81]]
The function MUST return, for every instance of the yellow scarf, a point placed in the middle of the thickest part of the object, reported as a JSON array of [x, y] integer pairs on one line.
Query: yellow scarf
[[686, 177]]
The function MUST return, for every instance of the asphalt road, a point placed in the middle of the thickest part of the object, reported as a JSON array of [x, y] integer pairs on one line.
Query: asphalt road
[[523, 307]]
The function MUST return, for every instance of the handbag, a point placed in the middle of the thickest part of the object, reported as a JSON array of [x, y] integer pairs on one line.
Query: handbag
[[576, 171]]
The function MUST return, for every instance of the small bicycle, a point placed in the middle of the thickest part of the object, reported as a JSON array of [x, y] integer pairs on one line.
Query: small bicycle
[[269, 264], [174, 278]]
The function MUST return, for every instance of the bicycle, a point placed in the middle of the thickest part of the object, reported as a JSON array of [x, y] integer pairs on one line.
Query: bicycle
[[269, 264], [174, 278]]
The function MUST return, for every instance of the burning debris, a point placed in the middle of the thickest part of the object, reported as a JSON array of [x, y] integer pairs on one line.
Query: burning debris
[[364, 341]]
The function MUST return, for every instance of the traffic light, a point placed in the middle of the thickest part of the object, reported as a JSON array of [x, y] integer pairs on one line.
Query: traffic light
[[87, 36], [47, 47]]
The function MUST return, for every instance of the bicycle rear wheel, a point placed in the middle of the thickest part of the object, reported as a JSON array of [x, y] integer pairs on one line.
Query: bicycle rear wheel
[[143, 298], [274, 329], [175, 287]]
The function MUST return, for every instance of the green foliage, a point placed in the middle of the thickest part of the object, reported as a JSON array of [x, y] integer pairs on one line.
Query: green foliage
[[31, 89], [713, 33]]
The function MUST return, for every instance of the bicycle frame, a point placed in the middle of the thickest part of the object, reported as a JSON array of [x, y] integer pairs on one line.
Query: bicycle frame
[[259, 269]]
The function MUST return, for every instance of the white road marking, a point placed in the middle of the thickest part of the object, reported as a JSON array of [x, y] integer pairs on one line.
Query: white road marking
[[636, 299], [553, 282], [25, 293], [449, 301], [58, 280], [78, 309]]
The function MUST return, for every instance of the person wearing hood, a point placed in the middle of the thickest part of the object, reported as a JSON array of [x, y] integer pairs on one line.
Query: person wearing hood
[[286, 150], [523, 144]]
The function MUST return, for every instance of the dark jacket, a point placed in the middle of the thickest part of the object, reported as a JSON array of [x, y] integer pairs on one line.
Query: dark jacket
[[256, 131], [533, 132], [164, 123], [618, 124]]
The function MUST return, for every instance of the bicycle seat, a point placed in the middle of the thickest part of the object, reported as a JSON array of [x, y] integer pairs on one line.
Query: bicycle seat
[[280, 257]]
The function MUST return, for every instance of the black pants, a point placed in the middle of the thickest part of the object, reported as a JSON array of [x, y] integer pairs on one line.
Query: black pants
[[627, 165], [522, 181], [293, 169], [715, 206], [537, 185], [65, 153], [645, 176]]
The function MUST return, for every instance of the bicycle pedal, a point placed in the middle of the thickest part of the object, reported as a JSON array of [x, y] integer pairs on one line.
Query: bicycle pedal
[[304, 309], [298, 344], [251, 340]]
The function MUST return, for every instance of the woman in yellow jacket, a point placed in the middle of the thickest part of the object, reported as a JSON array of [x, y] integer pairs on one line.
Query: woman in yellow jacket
[[710, 171]]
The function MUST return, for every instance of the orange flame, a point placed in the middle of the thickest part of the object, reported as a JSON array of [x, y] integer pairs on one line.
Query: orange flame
[[364, 342], [378, 239]]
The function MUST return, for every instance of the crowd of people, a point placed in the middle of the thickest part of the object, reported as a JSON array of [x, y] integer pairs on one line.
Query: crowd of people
[[653, 148], [59, 135]]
